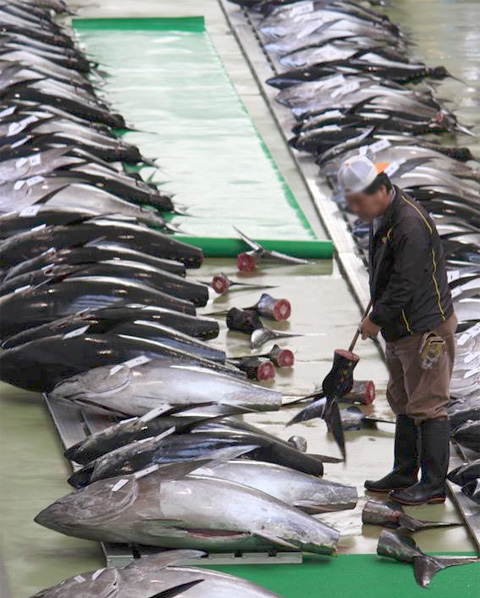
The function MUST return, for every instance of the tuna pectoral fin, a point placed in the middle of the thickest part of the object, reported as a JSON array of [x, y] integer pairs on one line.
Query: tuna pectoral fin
[[166, 559], [325, 458], [425, 567], [82, 477], [275, 539], [176, 591]]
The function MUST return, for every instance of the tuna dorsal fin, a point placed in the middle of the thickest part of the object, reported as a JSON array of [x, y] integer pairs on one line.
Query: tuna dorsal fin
[[359, 105], [177, 590], [425, 567], [165, 559]]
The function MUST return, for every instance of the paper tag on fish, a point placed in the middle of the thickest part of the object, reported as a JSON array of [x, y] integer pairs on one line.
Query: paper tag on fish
[[301, 9], [18, 185], [453, 275], [38, 228], [153, 413], [77, 332], [34, 180], [472, 333], [97, 574], [471, 357], [475, 331], [8, 111], [15, 128], [143, 472], [348, 88], [79, 578], [309, 29], [380, 145], [471, 373], [140, 360], [333, 81], [35, 160], [394, 166], [24, 288], [119, 484], [457, 291], [126, 421], [30, 211]]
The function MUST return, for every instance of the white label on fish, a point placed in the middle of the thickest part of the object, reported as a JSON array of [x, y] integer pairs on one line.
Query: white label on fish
[[38, 228], [77, 332], [333, 81], [34, 180], [143, 472], [18, 185], [140, 360], [348, 88], [97, 574], [35, 160], [453, 275], [309, 29], [153, 413], [471, 357], [301, 9], [457, 291], [378, 146], [8, 111], [471, 373], [24, 288], [79, 579], [30, 211], [394, 166], [475, 331], [119, 485]]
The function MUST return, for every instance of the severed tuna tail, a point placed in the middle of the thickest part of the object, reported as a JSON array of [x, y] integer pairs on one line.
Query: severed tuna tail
[[327, 409], [425, 567]]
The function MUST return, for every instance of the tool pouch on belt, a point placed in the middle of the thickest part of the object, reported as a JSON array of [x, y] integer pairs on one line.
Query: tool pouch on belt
[[431, 349]]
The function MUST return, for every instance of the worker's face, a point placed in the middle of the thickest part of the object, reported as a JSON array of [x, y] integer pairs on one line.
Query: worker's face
[[369, 207]]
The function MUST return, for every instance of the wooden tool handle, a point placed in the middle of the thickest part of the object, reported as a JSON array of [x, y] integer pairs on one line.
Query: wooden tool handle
[[357, 333]]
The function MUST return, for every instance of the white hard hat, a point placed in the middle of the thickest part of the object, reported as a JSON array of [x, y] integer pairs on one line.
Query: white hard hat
[[357, 173]]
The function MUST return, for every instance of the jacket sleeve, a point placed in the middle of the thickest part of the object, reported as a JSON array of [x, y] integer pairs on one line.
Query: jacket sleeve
[[411, 246]]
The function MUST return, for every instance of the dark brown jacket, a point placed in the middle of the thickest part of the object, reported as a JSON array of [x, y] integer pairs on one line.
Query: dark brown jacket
[[408, 278]]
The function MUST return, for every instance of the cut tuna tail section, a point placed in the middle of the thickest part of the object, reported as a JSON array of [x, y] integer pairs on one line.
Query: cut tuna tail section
[[425, 567]]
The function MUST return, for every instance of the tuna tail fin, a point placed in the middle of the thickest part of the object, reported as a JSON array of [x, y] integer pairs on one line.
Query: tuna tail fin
[[425, 567], [327, 409], [414, 525], [176, 591]]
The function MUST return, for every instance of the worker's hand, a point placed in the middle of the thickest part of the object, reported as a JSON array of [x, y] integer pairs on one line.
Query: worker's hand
[[369, 329]]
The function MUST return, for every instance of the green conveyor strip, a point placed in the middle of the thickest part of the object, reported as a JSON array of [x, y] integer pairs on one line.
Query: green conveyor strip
[[226, 247], [166, 78], [358, 576]]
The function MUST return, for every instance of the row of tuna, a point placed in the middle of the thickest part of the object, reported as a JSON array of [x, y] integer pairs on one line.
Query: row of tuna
[[98, 312], [346, 74]]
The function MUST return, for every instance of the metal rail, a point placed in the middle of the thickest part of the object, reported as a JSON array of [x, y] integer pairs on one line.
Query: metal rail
[[263, 66]]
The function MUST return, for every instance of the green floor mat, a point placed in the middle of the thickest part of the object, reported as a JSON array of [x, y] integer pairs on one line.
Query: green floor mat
[[358, 576], [165, 77]]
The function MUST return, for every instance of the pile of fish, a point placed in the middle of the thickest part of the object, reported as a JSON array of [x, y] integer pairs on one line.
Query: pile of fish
[[346, 74], [98, 313]]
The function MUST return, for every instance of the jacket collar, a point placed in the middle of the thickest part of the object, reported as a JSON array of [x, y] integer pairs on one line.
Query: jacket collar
[[388, 216]]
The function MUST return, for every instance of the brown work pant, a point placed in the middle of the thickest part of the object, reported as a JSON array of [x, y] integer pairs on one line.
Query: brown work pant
[[420, 394]]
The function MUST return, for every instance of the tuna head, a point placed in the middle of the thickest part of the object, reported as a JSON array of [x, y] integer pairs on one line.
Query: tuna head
[[80, 513]]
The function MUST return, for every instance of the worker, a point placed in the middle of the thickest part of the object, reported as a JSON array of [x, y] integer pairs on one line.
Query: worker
[[412, 308]]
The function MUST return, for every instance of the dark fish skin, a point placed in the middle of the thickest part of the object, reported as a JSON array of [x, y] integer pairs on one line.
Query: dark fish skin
[[171, 284], [184, 447], [195, 327], [91, 254], [41, 364], [28, 245], [16, 222], [472, 490], [468, 435], [39, 305], [459, 412], [465, 473], [141, 329]]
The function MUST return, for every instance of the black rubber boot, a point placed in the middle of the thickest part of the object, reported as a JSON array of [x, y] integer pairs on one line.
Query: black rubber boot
[[405, 463], [434, 458]]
